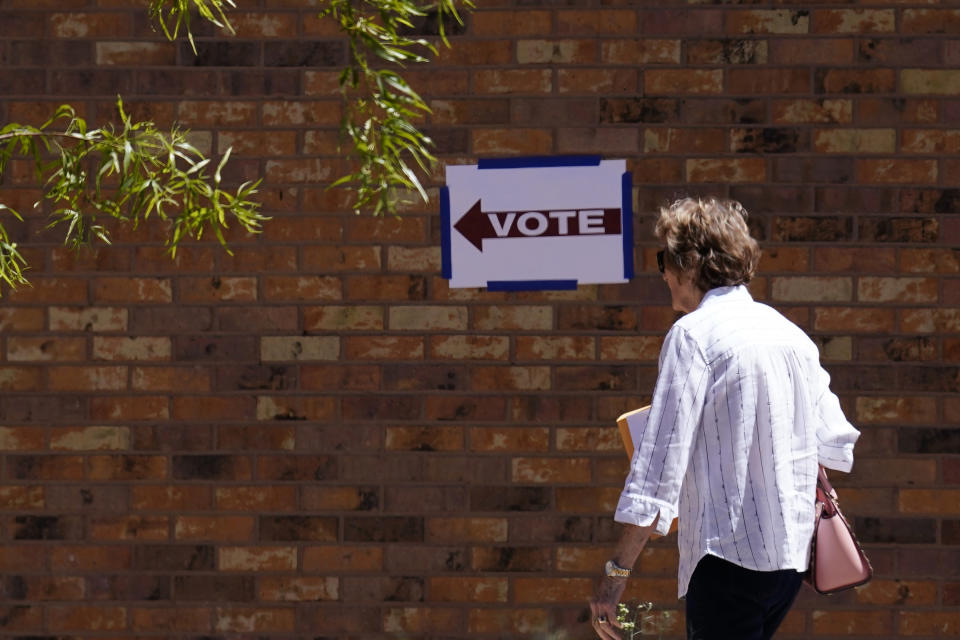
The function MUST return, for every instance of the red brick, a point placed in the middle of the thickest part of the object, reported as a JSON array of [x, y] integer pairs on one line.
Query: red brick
[[553, 590], [468, 589], [127, 468], [90, 25], [87, 378], [593, 22], [782, 21], [726, 170], [510, 23], [218, 528], [129, 408], [512, 141], [169, 498], [853, 319], [897, 171], [854, 21], [143, 528], [173, 620], [768, 81], [254, 619], [132, 290], [86, 618], [928, 623]]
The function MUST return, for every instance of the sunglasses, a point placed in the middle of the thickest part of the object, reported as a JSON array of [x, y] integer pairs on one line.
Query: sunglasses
[[660, 260]]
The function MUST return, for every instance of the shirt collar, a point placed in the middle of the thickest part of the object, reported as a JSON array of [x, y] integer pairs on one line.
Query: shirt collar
[[735, 293]]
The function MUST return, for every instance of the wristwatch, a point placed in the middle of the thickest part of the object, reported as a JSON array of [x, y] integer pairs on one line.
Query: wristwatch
[[613, 570]]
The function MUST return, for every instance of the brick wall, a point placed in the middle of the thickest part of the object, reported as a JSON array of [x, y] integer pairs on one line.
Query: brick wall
[[317, 437]]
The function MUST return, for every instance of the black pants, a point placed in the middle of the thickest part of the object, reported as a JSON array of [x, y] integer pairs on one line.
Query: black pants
[[728, 602]]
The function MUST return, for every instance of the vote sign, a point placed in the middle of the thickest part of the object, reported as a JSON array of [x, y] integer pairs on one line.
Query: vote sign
[[537, 223]]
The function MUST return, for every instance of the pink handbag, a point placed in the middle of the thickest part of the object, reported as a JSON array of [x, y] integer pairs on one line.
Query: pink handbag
[[836, 560]]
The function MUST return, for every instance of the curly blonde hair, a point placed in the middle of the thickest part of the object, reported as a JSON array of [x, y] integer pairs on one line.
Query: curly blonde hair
[[709, 237]]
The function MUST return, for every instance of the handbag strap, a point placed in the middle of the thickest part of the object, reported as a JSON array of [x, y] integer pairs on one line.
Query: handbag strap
[[823, 483], [826, 495]]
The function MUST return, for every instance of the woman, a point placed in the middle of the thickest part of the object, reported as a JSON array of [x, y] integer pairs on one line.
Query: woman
[[740, 417]]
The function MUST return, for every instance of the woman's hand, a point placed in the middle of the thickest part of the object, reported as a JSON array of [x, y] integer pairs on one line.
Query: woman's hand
[[603, 607]]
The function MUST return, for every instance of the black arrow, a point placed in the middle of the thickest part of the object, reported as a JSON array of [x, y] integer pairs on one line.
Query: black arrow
[[476, 225]]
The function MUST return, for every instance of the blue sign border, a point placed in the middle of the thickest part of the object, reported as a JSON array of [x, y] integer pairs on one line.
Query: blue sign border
[[626, 208]]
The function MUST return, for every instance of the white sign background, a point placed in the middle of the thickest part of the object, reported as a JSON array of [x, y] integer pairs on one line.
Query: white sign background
[[587, 259]]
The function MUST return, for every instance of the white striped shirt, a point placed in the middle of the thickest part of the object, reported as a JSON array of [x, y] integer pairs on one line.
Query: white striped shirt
[[741, 414]]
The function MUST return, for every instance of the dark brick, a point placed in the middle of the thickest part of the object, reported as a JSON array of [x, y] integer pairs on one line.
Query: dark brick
[[606, 318], [431, 24], [271, 377], [896, 530], [13, 588], [22, 24], [383, 529], [381, 408], [900, 52], [424, 378], [172, 437], [42, 467], [950, 532], [304, 54], [51, 53], [215, 588], [58, 408], [261, 83], [615, 110], [814, 169], [533, 559], [544, 409], [172, 557], [541, 529], [48, 528], [899, 229], [221, 54], [773, 199], [83, 82], [128, 587], [113, 498], [290, 468], [928, 440], [938, 379], [863, 378], [854, 200], [265, 319], [425, 559], [811, 229], [948, 202], [723, 111], [154, 82], [464, 408], [170, 320], [415, 499], [602, 378], [211, 467], [213, 349], [22, 82], [293, 528], [337, 439], [446, 140], [390, 589], [770, 140], [510, 498], [552, 111]]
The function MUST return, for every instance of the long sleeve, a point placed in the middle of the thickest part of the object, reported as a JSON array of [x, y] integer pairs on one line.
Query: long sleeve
[[835, 435], [663, 450]]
